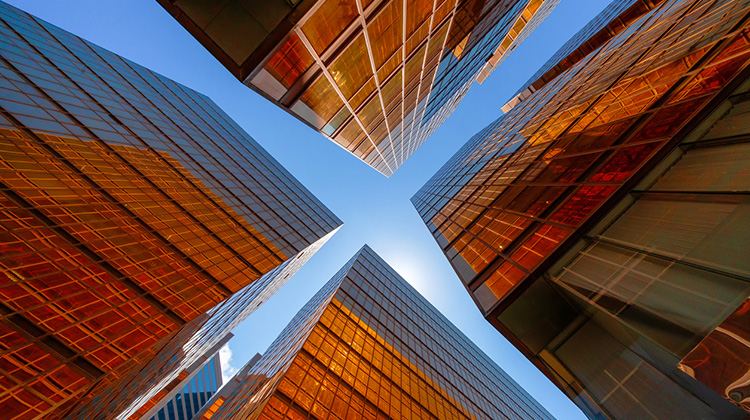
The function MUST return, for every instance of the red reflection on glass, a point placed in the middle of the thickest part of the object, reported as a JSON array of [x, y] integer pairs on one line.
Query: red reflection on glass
[[722, 360], [582, 203], [716, 76], [290, 61], [622, 164], [666, 121]]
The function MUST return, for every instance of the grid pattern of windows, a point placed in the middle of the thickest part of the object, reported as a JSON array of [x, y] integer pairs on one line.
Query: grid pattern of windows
[[378, 77], [671, 267], [660, 281], [524, 184], [369, 346], [132, 394], [194, 394], [129, 206], [608, 23], [524, 25]]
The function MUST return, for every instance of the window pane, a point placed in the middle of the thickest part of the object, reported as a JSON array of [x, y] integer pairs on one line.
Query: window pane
[[328, 22]]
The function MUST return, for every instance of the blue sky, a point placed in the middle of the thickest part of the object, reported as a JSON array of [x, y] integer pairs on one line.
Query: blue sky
[[375, 210]]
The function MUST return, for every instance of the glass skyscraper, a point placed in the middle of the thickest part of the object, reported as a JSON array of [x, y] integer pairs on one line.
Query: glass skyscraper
[[130, 206], [602, 223], [229, 388], [609, 22], [369, 346], [199, 387], [375, 76], [132, 396]]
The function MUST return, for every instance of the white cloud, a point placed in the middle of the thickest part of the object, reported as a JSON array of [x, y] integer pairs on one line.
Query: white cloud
[[225, 357]]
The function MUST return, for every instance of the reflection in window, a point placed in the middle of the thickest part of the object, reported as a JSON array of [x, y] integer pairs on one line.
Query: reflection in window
[[322, 100], [288, 64], [352, 68], [327, 23], [385, 32]]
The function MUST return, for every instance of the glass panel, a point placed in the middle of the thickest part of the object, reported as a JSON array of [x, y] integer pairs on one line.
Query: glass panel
[[417, 14], [327, 23], [442, 11], [673, 304], [708, 233], [722, 360], [722, 168], [538, 315], [352, 68], [363, 94], [413, 66], [390, 65], [322, 100], [417, 38], [581, 204], [392, 92], [351, 135], [336, 122], [541, 244], [385, 32], [290, 62], [371, 112], [625, 385], [502, 281]]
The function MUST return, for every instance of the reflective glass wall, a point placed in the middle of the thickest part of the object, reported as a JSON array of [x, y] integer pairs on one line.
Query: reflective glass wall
[[129, 206], [197, 391], [615, 18], [658, 291], [133, 394], [523, 185], [368, 346], [375, 76], [601, 224]]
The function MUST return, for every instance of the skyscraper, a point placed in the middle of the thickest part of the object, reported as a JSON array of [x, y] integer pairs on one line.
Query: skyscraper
[[132, 395], [602, 223], [131, 205], [615, 18], [368, 346], [376, 77], [202, 383], [228, 390]]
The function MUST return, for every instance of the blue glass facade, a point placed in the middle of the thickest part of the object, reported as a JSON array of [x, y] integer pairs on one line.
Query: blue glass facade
[[194, 395]]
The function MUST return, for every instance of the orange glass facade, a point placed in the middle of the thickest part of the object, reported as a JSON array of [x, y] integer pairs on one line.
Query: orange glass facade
[[368, 346], [615, 18], [602, 263], [133, 394], [525, 183], [375, 76], [130, 205]]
